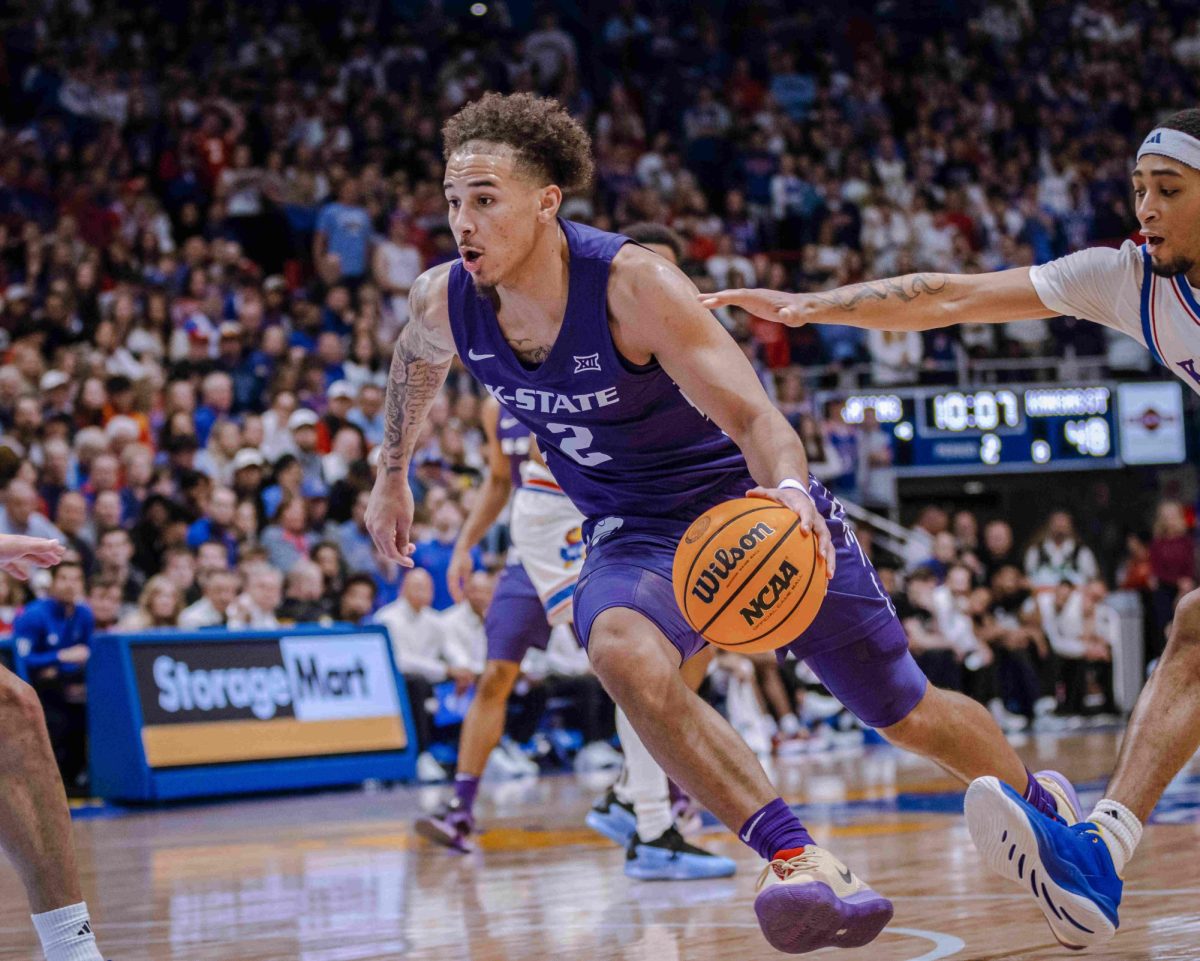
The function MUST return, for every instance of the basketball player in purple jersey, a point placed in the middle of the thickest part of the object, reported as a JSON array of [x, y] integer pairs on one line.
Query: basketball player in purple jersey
[[533, 594], [648, 414], [35, 822], [1152, 294]]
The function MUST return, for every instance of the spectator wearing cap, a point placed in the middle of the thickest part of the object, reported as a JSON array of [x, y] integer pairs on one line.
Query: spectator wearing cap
[[247, 467], [367, 416], [286, 539], [217, 523], [247, 384], [303, 427], [55, 388], [341, 396], [20, 514]]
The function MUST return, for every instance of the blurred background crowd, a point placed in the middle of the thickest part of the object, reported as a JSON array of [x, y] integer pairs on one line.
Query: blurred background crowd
[[211, 214]]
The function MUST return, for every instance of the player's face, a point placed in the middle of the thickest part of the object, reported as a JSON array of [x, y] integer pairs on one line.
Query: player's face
[[495, 211], [1167, 194]]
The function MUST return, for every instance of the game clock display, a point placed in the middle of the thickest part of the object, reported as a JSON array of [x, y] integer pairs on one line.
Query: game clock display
[[1041, 426]]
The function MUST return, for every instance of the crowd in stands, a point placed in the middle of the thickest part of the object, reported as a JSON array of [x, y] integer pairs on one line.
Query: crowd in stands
[[211, 215]]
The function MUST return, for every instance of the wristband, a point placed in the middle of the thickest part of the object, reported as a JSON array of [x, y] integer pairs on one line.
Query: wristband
[[790, 483]]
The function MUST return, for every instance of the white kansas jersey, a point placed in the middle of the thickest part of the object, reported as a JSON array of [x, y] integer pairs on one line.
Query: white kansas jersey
[[1117, 288]]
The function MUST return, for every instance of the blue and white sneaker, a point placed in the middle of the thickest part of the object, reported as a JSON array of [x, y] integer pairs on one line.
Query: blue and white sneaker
[[613, 818], [1067, 868], [671, 858]]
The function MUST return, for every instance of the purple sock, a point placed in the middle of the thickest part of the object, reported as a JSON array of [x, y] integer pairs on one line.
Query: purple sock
[[465, 788], [1038, 796], [774, 828]]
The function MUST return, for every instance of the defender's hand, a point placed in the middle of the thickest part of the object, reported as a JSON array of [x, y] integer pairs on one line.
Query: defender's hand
[[389, 520], [772, 305], [811, 522]]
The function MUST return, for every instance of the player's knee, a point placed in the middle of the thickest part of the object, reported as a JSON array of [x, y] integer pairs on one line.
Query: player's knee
[[624, 659], [1184, 642], [497, 679], [20, 710]]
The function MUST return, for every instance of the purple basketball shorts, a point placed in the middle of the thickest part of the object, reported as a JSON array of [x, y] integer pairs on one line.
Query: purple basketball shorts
[[516, 618], [855, 645]]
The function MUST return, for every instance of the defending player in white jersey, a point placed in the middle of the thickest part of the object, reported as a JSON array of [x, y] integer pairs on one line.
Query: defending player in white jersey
[[1152, 293], [533, 595]]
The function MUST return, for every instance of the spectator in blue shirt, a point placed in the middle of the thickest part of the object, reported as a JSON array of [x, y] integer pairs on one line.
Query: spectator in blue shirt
[[358, 550], [433, 554], [344, 228], [217, 523], [54, 638]]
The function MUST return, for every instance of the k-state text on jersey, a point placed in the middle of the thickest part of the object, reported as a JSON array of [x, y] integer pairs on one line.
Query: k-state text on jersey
[[551, 402]]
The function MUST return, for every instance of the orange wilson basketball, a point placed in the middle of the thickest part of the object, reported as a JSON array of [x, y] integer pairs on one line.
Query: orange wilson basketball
[[747, 577]]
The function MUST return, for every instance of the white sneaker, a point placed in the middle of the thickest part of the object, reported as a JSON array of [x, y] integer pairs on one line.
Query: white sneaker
[[598, 756], [428, 769], [1008, 722], [812, 901], [819, 707], [1045, 705], [521, 761]]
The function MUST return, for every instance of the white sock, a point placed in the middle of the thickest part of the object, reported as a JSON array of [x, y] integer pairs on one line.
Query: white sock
[[645, 784], [1120, 829], [66, 934], [790, 725]]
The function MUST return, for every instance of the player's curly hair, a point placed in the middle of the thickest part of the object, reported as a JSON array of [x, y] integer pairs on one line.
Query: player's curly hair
[[1186, 121], [546, 139]]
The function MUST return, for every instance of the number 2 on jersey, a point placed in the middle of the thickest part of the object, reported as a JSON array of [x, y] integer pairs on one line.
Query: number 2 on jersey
[[576, 446]]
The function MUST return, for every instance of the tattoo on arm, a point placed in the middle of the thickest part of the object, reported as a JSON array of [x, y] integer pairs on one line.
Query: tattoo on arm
[[419, 366], [906, 288]]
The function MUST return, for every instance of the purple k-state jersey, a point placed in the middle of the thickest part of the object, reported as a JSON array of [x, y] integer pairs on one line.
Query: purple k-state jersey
[[620, 439], [514, 444]]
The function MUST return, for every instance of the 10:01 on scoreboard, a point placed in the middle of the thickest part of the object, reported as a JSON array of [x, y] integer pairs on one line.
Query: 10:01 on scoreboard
[[1041, 426]]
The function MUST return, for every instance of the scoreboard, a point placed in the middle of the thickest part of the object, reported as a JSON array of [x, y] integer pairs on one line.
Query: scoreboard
[[1026, 427]]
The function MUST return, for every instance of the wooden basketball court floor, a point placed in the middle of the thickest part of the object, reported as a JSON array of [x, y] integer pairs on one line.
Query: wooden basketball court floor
[[341, 876]]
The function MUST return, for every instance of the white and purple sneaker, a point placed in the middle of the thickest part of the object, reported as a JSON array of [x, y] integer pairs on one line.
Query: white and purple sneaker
[[451, 827], [810, 901]]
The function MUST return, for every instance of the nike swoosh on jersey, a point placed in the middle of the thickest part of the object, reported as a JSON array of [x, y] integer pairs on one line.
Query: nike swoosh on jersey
[[508, 422], [474, 356]]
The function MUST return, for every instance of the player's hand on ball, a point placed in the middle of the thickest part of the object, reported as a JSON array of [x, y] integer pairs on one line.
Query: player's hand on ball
[[775, 305], [811, 522], [389, 521]]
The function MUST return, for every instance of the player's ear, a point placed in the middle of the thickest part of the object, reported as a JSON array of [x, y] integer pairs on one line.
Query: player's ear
[[549, 200]]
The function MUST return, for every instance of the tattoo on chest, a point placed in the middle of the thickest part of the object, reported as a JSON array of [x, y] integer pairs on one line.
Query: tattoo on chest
[[529, 351]]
